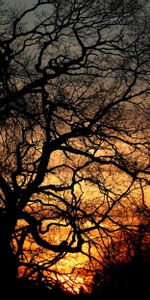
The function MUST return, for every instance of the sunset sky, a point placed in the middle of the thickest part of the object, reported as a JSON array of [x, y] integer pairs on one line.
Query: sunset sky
[[74, 139]]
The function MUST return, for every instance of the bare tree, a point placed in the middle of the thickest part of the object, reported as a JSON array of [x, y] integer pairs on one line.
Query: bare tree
[[74, 130]]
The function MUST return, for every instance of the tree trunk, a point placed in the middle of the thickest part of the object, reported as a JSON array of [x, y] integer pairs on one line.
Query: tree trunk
[[8, 263]]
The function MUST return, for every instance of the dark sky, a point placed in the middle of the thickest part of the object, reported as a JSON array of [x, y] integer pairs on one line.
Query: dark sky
[[20, 2], [29, 2]]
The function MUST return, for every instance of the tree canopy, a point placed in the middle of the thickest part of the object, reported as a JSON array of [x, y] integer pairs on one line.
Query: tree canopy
[[74, 131]]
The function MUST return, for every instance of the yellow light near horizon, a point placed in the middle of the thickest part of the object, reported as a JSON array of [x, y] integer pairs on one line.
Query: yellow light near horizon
[[90, 198]]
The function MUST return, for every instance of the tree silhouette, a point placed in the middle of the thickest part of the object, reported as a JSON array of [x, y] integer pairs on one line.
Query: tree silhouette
[[126, 264], [74, 130], [124, 277]]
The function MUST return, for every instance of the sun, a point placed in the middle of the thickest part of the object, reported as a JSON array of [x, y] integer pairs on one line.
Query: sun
[[74, 284]]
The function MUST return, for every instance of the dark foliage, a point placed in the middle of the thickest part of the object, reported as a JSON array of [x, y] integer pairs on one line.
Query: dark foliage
[[122, 280]]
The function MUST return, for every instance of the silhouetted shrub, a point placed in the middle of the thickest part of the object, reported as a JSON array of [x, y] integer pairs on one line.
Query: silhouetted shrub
[[122, 280]]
